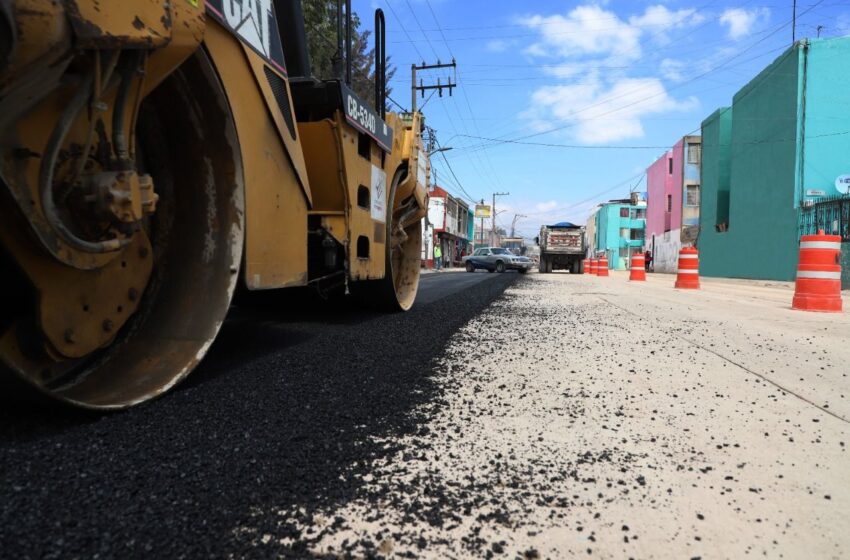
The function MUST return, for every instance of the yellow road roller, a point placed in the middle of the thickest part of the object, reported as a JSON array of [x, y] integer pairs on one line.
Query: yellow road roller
[[155, 155]]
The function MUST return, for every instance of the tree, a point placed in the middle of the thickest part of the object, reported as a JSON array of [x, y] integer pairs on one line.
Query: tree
[[320, 23]]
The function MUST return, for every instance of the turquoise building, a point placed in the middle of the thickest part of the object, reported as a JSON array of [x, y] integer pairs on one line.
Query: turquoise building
[[618, 229], [771, 158]]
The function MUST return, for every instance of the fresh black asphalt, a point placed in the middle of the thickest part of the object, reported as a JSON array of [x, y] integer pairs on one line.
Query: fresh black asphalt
[[278, 417]]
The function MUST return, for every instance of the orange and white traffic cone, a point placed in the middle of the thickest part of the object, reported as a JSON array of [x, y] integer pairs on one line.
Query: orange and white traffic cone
[[638, 270], [818, 286], [585, 266], [594, 266], [687, 277], [602, 269]]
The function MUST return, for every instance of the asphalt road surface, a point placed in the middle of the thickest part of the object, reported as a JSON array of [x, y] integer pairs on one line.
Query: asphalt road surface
[[282, 416], [544, 416]]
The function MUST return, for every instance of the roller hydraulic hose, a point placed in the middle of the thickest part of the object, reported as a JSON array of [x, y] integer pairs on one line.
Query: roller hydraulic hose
[[48, 164], [8, 33]]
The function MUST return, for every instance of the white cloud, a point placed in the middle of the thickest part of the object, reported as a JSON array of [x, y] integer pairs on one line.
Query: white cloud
[[595, 49], [672, 70], [741, 21], [498, 45], [599, 113], [659, 19], [546, 206], [586, 30], [591, 30]]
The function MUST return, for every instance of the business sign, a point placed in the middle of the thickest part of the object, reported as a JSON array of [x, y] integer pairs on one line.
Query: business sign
[[842, 184], [482, 211], [815, 192]]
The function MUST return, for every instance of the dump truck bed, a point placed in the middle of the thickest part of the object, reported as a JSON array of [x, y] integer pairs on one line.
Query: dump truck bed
[[563, 241]]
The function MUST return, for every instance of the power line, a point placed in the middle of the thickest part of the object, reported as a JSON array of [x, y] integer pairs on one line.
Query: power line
[[489, 168], [401, 26], [452, 171], [625, 94], [419, 25], [573, 146], [440, 29], [643, 100]]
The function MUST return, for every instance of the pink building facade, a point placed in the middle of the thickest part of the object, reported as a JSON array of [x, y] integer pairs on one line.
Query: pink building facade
[[673, 202]]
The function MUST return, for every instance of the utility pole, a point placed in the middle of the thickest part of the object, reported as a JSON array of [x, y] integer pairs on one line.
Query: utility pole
[[794, 24], [482, 225], [513, 223], [493, 210], [422, 87]]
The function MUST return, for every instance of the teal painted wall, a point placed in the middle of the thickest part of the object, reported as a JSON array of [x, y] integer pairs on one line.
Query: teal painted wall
[[761, 241], [608, 237], [714, 202], [787, 142], [826, 143]]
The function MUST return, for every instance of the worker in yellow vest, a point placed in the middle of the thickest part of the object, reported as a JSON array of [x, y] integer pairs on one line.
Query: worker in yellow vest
[[438, 257]]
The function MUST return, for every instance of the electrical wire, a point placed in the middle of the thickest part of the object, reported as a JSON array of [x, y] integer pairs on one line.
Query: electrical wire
[[678, 86]]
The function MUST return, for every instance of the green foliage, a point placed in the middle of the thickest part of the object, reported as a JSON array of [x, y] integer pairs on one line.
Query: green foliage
[[320, 23]]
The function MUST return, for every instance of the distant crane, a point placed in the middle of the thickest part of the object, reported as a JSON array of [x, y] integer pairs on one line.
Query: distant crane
[[513, 223]]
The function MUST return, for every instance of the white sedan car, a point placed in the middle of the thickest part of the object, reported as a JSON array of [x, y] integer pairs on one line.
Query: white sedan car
[[496, 259]]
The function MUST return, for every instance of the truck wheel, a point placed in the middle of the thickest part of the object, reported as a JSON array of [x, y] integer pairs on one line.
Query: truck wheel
[[470, 267], [500, 267], [549, 266]]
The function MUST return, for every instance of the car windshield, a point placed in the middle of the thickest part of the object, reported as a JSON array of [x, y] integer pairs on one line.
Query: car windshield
[[501, 252]]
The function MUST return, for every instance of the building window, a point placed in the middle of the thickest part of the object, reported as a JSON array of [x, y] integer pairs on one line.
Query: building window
[[639, 214], [637, 235], [624, 212], [669, 203], [694, 153], [670, 165], [692, 195], [624, 233]]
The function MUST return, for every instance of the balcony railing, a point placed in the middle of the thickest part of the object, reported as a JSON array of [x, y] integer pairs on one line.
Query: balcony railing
[[832, 215]]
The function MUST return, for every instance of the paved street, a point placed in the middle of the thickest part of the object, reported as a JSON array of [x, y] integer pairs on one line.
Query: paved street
[[545, 416]]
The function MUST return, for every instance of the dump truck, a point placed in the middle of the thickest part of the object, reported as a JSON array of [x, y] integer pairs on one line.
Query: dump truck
[[562, 247], [155, 156]]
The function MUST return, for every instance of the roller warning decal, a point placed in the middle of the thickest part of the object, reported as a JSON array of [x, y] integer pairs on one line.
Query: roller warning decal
[[255, 23]]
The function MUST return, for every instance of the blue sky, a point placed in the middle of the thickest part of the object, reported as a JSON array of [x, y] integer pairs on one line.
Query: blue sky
[[564, 104]]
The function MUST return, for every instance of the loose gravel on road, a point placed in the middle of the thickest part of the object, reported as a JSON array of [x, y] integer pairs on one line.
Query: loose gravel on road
[[568, 426], [282, 422], [573, 417]]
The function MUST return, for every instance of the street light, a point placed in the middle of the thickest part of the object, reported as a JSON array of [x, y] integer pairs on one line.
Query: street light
[[438, 150]]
